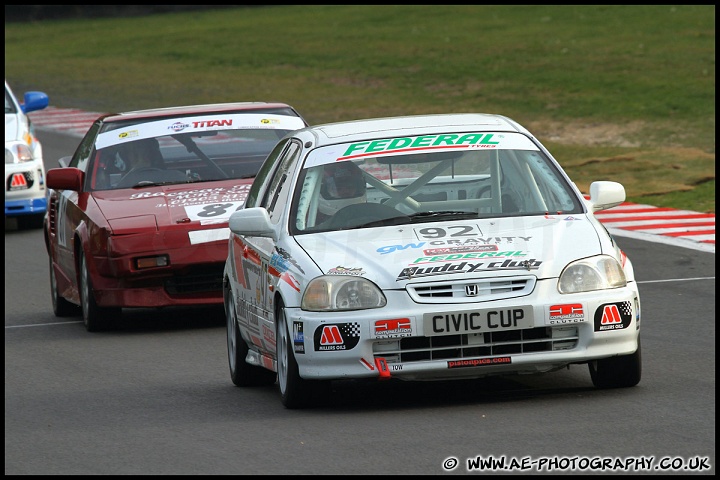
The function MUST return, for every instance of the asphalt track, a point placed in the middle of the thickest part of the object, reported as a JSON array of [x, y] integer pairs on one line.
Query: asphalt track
[[682, 228]]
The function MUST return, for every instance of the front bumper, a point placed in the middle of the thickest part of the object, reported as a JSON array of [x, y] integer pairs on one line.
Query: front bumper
[[360, 345], [25, 192]]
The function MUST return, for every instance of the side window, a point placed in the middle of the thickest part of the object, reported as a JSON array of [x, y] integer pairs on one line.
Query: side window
[[261, 178], [82, 154], [277, 195], [81, 157]]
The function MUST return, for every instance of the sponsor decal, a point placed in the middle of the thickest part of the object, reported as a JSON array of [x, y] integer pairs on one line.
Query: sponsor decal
[[464, 249], [565, 313], [268, 336], [179, 127], [18, 182], [466, 256], [479, 362], [466, 267], [394, 328], [279, 263], [613, 316], [337, 336], [423, 142], [345, 271], [225, 122], [130, 134], [200, 195], [298, 338], [284, 256], [452, 231]]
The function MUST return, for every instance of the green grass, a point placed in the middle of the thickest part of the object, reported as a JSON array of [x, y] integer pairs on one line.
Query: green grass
[[625, 93]]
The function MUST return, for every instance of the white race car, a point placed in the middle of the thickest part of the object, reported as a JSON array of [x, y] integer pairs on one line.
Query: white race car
[[424, 248], [25, 191]]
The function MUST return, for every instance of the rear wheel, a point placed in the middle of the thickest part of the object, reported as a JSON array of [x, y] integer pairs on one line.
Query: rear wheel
[[61, 307], [242, 373], [295, 392], [617, 372], [95, 318]]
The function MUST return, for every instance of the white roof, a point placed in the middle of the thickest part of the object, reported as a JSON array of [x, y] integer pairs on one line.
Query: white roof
[[414, 124]]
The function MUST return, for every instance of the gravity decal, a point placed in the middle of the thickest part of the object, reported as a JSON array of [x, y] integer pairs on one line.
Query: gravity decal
[[481, 244], [613, 316], [339, 336]]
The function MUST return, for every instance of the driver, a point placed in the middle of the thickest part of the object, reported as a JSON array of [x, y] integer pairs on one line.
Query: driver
[[139, 154], [343, 184]]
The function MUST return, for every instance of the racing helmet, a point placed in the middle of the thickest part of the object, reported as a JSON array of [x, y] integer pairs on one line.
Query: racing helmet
[[343, 184], [144, 152]]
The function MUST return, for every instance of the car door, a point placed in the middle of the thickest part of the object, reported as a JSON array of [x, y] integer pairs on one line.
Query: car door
[[257, 275], [68, 209]]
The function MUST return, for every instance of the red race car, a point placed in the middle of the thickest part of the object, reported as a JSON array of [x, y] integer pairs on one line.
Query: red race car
[[138, 216]]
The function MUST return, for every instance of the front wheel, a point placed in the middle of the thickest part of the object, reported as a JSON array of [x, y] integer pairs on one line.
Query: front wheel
[[31, 222], [242, 373], [295, 392], [61, 307], [617, 372], [95, 318]]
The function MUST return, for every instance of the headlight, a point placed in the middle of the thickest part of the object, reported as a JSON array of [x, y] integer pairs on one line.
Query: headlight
[[331, 293], [594, 273], [18, 151]]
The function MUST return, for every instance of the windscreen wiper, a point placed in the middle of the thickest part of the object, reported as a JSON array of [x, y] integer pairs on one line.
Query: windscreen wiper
[[422, 216]]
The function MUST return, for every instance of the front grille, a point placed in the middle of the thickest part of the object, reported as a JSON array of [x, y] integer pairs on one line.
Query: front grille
[[473, 345], [483, 290], [198, 279]]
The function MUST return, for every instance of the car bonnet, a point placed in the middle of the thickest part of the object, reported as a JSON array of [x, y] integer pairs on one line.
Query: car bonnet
[[393, 256], [199, 206]]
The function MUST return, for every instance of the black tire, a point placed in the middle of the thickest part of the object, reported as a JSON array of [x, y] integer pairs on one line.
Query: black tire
[[61, 307], [617, 372], [295, 392], [95, 318], [242, 373], [31, 222]]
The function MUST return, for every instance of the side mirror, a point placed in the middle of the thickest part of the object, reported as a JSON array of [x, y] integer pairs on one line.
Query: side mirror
[[65, 179], [34, 101], [604, 195], [252, 222]]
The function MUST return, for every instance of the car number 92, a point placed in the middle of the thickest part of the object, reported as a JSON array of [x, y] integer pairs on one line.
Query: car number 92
[[478, 321]]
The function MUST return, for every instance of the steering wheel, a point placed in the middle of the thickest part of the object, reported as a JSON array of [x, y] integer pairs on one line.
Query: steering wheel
[[366, 215], [132, 177]]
